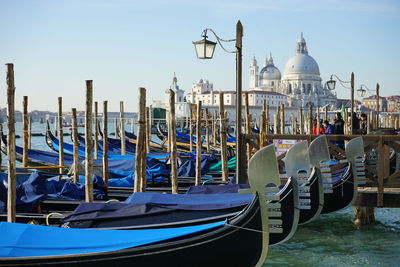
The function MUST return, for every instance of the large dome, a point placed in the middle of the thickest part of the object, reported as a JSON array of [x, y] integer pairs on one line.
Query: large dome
[[301, 64], [270, 72]]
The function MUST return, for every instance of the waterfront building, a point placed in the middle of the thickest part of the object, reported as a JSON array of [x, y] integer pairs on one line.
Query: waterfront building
[[301, 81], [370, 103]]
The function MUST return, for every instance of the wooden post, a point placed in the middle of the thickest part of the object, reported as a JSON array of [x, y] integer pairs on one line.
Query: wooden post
[[174, 154], [60, 137], [364, 215], [214, 128], [318, 124], [207, 129], [116, 135], [224, 156], [122, 127], [148, 135], [346, 122], [377, 106], [76, 145], [30, 133], [262, 129], [301, 120], [105, 142], [293, 123], [12, 180], [89, 142], [248, 123], [283, 121], [310, 119], [140, 149], [267, 124], [191, 129], [96, 130], [352, 103], [198, 145], [326, 113], [25, 132], [277, 127]]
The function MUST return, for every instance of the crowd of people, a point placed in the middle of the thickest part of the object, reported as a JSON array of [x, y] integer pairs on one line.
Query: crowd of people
[[359, 125]]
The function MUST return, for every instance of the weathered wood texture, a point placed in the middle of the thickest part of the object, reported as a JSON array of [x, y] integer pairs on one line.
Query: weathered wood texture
[[224, 152], [12, 180], [198, 145], [25, 132], [105, 142], [96, 130], [89, 142], [75, 177], [139, 184], [172, 135], [60, 137], [122, 127]]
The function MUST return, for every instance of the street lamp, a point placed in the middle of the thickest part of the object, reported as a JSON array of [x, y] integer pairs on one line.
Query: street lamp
[[205, 50], [331, 86], [361, 92]]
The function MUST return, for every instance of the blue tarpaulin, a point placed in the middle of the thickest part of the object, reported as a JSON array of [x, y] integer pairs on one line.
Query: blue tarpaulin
[[25, 240]]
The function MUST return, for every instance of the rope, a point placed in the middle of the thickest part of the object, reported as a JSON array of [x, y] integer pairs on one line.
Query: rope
[[247, 229], [51, 214]]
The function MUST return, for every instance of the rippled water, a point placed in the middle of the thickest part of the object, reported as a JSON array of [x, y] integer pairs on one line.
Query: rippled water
[[330, 240]]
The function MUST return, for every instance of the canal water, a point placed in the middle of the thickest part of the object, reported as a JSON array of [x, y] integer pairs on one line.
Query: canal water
[[330, 240]]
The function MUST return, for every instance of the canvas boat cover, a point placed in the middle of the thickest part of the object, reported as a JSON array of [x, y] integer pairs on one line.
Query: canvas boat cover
[[145, 203], [26, 240]]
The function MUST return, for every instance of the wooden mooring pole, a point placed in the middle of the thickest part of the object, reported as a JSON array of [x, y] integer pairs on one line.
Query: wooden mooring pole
[[248, 124], [172, 135], [96, 130], [198, 145], [206, 122], [191, 128], [224, 156], [122, 127], [12, 180], [30, 133], [105, 142], [76, 146], [282, 118], [25, 132], [60, 137], [88, 142], [148, 130], [139, 184]]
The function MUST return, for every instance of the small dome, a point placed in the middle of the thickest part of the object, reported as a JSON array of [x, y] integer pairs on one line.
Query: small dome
[[270, 72]]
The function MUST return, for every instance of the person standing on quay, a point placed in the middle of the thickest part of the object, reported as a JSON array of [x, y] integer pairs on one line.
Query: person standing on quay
[[338, 128]]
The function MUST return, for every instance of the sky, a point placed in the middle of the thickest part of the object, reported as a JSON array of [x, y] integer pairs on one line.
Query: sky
[[55, 45]]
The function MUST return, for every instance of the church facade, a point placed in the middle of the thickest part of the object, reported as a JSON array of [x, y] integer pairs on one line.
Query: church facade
[[301, 81]]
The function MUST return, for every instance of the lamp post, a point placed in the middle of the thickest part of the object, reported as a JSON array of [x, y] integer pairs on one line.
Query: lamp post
[[331, 86], [361, 92], [205, 50]]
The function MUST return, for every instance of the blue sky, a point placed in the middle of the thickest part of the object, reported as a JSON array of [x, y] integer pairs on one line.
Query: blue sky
[[58, 44]]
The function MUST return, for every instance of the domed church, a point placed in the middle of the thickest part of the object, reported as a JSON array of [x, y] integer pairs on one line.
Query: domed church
[[301, 80]]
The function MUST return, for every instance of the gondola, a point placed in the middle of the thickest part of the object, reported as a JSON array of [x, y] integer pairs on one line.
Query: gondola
[[340, 187], [209, 202], [297, 165], [243, 239]]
